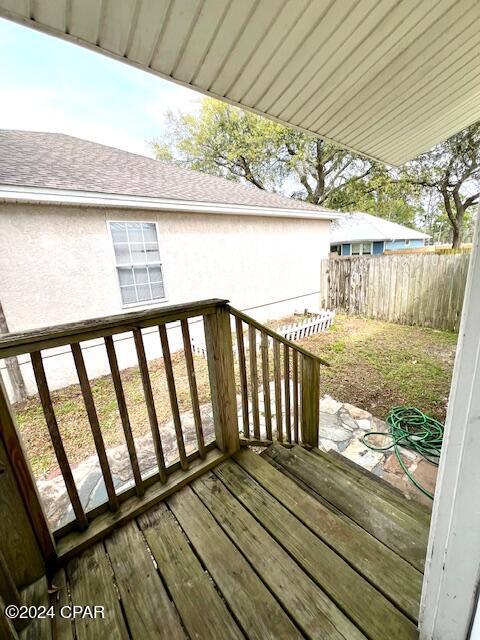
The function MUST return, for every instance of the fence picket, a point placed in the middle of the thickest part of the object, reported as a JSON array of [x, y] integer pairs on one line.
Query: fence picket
[[423, 289]]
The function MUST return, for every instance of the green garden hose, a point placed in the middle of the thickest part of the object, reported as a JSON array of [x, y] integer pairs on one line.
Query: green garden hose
[[412, 429]]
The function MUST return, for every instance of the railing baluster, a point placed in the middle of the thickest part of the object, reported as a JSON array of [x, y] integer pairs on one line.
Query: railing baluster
[[122, 408], [286, 381], [243, 377], [56, 438], [295, 394], [94, 424], [266, 386], [278, 389], [187, 347], [152, 414], [167, 360], [252, 348]]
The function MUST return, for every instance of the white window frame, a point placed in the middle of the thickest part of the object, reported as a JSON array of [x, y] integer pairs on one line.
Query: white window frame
[[160, 263], [407, 242], [361, 248]]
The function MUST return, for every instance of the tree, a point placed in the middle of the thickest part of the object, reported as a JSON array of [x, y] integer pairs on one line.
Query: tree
[[227, 141], [451, 171]]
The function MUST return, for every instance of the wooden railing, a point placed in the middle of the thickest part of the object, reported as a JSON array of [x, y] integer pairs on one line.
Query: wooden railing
[[283, 373], [290, 385]]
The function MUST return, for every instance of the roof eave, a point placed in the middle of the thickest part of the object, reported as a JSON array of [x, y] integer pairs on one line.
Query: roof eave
[[39, 195]]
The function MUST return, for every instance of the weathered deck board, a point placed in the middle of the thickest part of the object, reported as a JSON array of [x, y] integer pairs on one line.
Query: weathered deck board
[[104, 524], [36, 595], [62, 627], [243, 552], [371, 482], [376, 616], [201, 609], [258, 613], [148, 609], [307, 604], [397, 529], [392, 575], [90, 578]]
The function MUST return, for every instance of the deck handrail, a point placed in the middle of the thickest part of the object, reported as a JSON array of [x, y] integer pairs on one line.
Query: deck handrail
[[18, 343], [284, 374], [276, 336]]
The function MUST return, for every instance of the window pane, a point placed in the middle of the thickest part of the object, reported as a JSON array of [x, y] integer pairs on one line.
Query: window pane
[[367, 248], [152, 253], [356, 249], [125, 276], [119, 232], [157, 290], [149, 232], [122, 254], [129, 295], [143, 292], [134, 231], [141, 275], [155, 274], [138, 254]]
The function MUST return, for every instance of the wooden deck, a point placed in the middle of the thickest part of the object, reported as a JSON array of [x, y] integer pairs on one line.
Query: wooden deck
[[291, 544]]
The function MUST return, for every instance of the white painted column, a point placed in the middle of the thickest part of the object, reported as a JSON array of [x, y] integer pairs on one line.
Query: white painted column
[[449, 598]]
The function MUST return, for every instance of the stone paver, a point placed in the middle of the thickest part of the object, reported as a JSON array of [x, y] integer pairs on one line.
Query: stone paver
[[342, 427]]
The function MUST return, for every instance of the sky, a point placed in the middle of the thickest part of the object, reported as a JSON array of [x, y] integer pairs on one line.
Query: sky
[[47, 84]]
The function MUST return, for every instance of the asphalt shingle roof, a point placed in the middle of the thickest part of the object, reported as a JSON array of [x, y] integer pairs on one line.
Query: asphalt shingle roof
[[59, 161], [358, 226]]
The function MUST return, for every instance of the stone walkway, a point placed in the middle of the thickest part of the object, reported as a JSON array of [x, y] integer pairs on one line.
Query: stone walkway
[[342, 427]]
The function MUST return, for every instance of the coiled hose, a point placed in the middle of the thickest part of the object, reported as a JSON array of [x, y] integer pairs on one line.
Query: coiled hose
[[412, 429]]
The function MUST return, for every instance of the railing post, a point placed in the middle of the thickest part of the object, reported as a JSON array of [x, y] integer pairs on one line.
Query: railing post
[[27, 542], [218, 338], [310, 401]]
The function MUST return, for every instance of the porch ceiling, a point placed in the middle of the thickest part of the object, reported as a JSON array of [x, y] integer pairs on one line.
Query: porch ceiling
[[388, 78]]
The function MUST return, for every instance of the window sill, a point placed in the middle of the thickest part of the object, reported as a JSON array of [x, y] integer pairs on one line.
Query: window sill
[[147, 303]]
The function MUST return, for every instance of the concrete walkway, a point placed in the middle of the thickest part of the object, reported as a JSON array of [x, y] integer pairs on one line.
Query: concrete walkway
[[342, 427]]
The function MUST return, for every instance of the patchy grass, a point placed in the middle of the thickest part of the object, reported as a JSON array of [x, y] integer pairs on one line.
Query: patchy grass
[[374, 365], [377, 365]]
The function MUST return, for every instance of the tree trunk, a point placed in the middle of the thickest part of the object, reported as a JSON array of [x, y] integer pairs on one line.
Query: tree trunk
[[456, 237], [12, 367]]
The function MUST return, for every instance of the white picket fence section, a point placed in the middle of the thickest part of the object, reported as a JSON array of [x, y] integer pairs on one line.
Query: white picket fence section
[[296, 331], [308, 326]]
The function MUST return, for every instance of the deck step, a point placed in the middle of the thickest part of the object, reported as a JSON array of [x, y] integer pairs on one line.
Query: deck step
[[386, 515]]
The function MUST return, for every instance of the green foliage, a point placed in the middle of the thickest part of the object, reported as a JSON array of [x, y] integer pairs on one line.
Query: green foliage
[[239, 145], [438, 190]]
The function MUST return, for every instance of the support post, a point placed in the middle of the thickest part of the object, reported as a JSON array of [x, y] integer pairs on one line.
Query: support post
[[23, 514], [310, 401], [218, 338]]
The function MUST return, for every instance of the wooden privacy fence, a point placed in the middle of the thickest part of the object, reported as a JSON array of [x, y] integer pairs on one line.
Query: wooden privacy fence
[[425, 290]]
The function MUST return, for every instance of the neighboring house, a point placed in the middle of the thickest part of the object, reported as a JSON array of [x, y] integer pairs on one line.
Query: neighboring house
[[357, 234], [87, 230]]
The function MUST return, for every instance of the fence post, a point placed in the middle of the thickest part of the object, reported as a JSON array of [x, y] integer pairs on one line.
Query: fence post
[[218, 338], [310, 401]]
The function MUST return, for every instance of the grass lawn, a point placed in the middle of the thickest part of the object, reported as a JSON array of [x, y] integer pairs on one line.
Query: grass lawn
[[374, 365], [377, 365]]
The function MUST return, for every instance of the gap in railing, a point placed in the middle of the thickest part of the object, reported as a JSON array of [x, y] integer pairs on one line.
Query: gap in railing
[[119, 404]]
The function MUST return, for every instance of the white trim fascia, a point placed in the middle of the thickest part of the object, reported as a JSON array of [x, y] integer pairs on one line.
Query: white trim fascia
[[40, 195]]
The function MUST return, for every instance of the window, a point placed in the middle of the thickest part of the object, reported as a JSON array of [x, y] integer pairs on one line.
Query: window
[[407, 243], [138, 262], [362, 249]]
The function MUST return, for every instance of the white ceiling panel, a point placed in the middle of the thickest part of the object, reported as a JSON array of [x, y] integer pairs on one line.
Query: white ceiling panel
[[386, 78]]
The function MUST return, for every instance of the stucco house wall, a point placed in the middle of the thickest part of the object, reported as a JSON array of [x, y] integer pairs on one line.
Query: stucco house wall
[[57, 265]]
